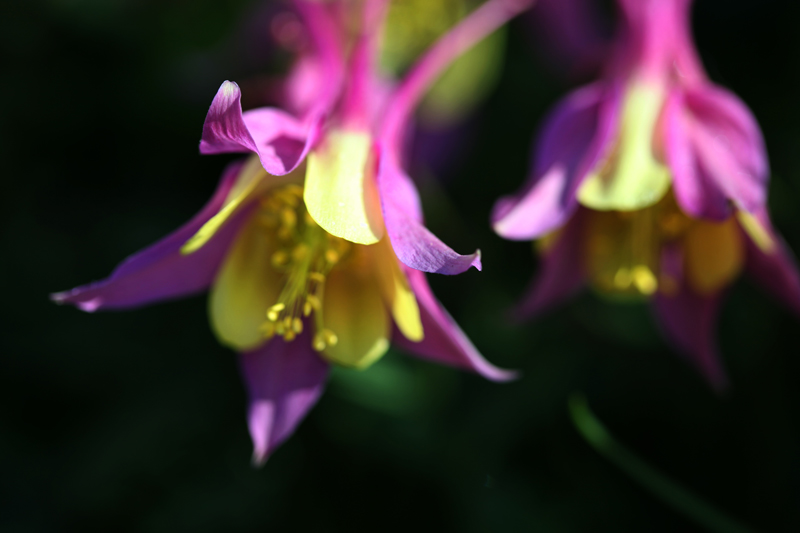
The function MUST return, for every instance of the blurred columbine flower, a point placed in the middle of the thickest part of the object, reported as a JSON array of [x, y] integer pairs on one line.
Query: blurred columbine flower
[[314, 247], [651, 182]]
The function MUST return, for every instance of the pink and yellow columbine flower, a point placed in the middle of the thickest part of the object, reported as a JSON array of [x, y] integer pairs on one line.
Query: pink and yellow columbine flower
[[314, 246], [652, 182]]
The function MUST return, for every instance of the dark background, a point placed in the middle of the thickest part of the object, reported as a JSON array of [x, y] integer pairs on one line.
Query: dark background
[[134, 421]]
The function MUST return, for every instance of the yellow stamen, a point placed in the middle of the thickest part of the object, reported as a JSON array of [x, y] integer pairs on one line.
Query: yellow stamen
[[305, 255], [274, 311], [644, 280]]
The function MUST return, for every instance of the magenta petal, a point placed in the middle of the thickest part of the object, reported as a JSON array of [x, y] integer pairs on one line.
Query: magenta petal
[[414, 245], [561, 273], [161, 272], [444, 341], [694, 189], [689, 320], [280, 140], [571, 144], [776, 270], [716, 150], [284, 381]]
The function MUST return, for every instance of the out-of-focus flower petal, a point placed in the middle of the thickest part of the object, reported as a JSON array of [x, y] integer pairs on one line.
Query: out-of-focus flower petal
[[280, 140], [340, 191], [695, 191], [413, 243], [728, 141], [562, 271], [444, 342], [770, 261], [354, 310], [162, 272], [245, 288], [713, 255], [689, 319], [631, 178], [284, 380], [716, 151], [569, 146]]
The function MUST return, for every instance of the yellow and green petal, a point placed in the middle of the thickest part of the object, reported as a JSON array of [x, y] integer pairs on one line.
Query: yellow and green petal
[[631, 178], [354, 311], [245, 287], [249, 179], [396, 291], [340, 191]]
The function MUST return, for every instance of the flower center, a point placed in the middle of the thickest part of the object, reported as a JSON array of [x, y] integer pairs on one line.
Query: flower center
[[624, 247], [305, 255]]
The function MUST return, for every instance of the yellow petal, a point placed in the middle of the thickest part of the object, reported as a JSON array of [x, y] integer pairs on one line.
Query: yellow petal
[[340, 192], [632, 178], [396, 291], [714, 255], [249, 184], [757, 233], [246, 286], [353, 309]]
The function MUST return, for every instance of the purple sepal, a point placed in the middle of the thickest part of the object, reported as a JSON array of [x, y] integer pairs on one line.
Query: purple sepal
[[776, 270], [161, 272], [716, 152], [689, 319], [444, 342], [561, 273], [284, 380], [413, 243], [571, 144], [280, 140]]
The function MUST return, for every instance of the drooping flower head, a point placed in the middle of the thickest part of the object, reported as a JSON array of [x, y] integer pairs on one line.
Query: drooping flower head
[[314, 248], [651, 181]]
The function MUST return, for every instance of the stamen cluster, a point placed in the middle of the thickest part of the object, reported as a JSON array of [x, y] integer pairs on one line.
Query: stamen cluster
[[624, 247], [305, 254]]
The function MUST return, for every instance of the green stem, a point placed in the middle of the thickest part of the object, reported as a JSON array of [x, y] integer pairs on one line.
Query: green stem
[[663, 488]]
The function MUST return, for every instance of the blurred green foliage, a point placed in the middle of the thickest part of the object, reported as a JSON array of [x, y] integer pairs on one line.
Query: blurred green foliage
[[135, 421]]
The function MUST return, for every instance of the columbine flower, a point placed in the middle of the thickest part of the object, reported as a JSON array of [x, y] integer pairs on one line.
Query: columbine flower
[[652, 181], [326, 267]]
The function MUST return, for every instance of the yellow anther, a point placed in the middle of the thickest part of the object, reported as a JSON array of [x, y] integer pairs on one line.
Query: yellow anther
[[314, 302], [289, 336], [330, 337], [288, 217], [316, 276], [287, 323], [644, 280], [318, 343], [297, 325], [623, 278], [274, 312], [280, 258], [288, 197], [307, 308], [279, 329], [299, 252], [331, 256]]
